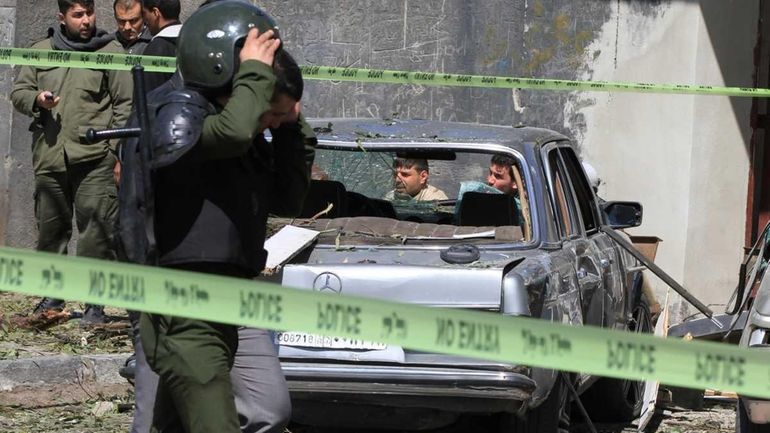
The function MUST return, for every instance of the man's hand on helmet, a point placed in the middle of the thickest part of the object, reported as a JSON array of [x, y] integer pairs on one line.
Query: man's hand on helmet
[[261, 47]]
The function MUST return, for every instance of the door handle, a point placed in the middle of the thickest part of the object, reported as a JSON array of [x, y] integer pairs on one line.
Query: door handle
[[586, 277]]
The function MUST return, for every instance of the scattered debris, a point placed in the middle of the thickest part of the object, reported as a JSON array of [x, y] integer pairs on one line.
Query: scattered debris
[[722, 395], [41, 321], [54, 333], [369, 134], [102, 408], [323, 212], [81, 418], [68, 418], [323, 129]]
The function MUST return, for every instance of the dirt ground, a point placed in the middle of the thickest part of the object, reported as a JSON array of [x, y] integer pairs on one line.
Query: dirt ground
[[110, 409], [21, 338], [88, 417], [716, 416], [114, 415]]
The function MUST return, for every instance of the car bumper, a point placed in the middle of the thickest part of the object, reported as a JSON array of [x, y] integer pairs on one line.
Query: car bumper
[[474, 390]]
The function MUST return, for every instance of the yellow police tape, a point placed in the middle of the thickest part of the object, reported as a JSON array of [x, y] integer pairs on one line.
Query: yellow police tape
[[76, 59], [492, 336]]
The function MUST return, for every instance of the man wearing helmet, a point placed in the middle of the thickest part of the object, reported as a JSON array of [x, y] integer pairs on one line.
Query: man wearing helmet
[[214, 176]]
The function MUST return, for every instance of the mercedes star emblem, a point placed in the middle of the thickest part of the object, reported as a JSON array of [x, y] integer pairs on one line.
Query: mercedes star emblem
[[327, 281]]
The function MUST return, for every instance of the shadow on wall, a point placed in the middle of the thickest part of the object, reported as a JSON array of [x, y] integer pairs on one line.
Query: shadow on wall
[[738, 26]]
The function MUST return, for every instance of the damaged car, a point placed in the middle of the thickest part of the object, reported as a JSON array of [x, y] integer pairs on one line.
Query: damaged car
[[753, 414], [526, 240]]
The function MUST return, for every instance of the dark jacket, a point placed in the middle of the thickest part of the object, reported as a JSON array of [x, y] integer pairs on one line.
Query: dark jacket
[[164, 45], [211, 206]]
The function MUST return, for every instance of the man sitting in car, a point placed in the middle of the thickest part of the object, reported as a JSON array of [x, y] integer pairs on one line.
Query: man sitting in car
[[410, 181], [501, 174], [501, 178]]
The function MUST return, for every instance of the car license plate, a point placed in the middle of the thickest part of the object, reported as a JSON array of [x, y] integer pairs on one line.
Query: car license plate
[[299, 339]]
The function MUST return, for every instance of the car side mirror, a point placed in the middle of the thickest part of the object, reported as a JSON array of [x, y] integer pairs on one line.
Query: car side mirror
[[623, 214]]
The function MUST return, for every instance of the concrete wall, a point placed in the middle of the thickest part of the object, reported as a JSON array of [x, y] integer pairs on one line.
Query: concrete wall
[[684, 157], [7, 36], [32, 20]]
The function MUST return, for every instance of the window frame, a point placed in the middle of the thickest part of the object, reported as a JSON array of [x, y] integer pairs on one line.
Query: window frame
[[551, 169], [569, 158], [487, 148]]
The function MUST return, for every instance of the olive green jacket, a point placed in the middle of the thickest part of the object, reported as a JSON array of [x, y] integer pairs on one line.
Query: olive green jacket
[[90, 98], [233, 130], [212, 204]]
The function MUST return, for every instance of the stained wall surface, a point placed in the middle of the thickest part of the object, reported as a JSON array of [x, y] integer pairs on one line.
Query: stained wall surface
[[684, 157]]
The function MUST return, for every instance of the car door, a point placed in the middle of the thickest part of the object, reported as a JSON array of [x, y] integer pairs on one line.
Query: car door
[[592, 262], [568, 300], [605, 261]]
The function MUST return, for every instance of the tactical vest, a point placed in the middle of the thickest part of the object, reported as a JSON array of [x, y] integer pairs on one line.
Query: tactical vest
[[176, 119]]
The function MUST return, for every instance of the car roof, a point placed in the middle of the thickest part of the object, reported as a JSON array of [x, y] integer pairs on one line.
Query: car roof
[[428, 131]]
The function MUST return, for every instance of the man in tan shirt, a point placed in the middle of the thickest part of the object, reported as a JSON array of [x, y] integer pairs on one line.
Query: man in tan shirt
[[410, 180]]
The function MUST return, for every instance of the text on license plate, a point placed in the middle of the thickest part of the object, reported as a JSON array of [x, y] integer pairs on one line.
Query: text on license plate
[[300, 339]]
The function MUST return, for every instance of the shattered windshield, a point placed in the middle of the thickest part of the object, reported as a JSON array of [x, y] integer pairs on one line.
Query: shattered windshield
[[375, 174], [436, 193]]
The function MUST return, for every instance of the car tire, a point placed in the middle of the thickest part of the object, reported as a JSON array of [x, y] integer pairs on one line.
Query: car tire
[[744, 425], [552, 416], [619, 400]]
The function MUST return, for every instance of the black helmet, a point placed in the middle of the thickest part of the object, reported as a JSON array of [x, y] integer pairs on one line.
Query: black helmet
[[207, 54]]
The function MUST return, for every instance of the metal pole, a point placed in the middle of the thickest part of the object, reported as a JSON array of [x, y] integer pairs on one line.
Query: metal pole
[[661, 274]]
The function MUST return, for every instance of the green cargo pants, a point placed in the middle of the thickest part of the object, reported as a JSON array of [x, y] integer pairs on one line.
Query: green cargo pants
[[87, 189], [193, 359]]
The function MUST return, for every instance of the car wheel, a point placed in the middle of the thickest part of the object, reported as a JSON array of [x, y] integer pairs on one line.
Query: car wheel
[[620, 400], [552, 416], [744, 425]]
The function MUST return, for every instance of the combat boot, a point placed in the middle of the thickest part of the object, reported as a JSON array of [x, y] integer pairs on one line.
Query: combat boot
[[46, 304], [94, 315], [128, 371]]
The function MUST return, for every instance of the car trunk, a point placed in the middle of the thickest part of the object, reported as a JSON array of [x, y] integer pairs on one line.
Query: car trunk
[[423, 285], [397, 261], [455, 287]]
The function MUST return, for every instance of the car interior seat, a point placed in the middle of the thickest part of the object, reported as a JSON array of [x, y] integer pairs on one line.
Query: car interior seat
[[361, 205], [481, 210], [320, 194]]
